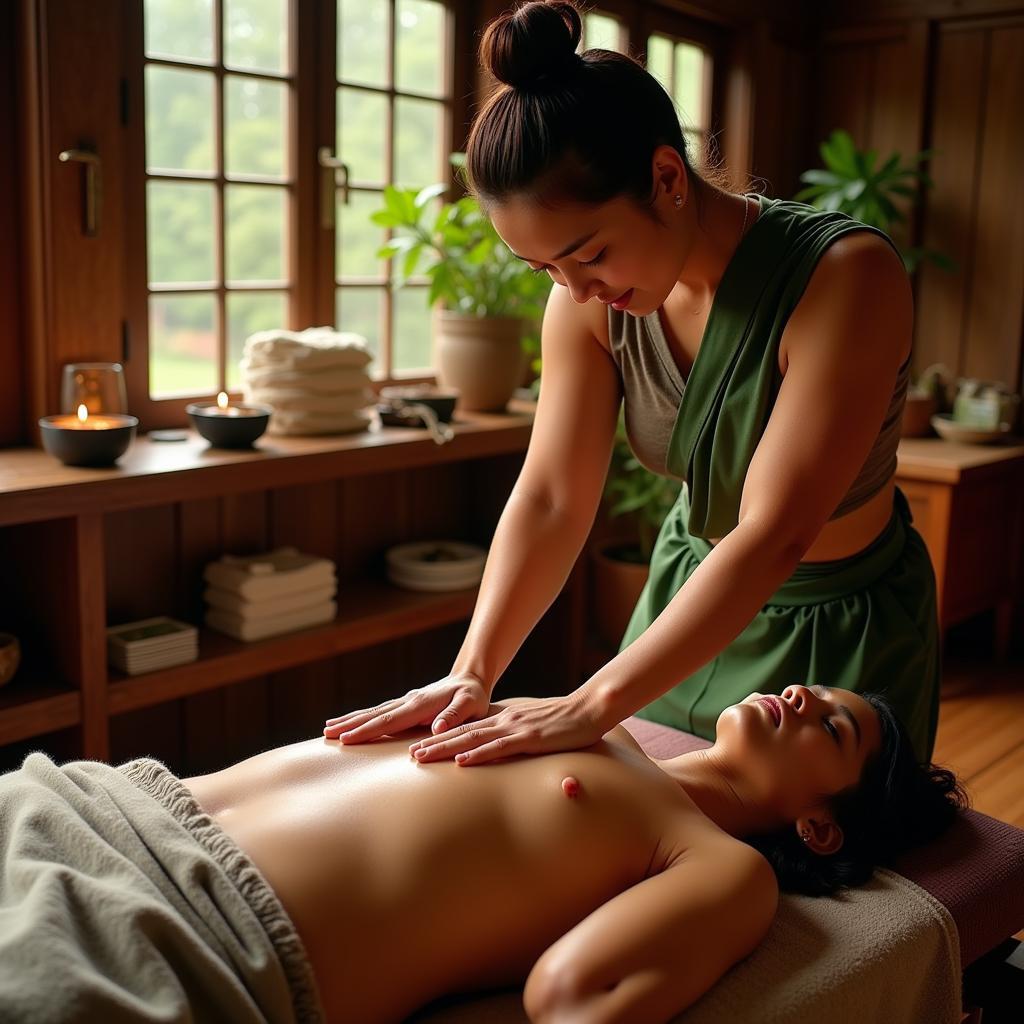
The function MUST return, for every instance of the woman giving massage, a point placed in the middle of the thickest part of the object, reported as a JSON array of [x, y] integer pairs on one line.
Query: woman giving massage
[[320, 881]]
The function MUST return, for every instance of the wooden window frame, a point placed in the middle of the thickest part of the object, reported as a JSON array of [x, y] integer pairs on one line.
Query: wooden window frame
[[310, 246]]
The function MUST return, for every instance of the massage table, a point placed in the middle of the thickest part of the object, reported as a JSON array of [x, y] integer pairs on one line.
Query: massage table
[[967, 894]]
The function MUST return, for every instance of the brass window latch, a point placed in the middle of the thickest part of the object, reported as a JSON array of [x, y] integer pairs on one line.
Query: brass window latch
[[93, 186]]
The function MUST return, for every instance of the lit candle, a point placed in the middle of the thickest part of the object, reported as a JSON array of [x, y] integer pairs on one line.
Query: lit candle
[[84, 440], [223, 408], [228, 426]]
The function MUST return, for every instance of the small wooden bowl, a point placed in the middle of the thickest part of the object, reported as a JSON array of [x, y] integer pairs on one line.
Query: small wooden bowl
[[10, 657]]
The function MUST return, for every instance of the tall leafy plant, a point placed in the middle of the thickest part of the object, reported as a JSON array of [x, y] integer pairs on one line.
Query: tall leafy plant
[[471, 270], [851, 183]]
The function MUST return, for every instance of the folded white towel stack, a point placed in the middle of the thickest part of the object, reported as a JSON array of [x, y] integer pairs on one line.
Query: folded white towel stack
[[314, 380], [258, 596]]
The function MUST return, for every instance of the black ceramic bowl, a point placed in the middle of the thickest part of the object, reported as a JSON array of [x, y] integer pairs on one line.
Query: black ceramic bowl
[[75, 446], [442, 402], [224, 431]]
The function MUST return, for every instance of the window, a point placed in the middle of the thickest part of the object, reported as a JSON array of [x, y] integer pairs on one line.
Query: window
[[218, 185], [271, 128], [393, 99], [602, 32], [684, 69]]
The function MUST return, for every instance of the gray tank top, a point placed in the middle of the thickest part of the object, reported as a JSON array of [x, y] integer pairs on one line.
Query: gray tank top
[[653, 389]]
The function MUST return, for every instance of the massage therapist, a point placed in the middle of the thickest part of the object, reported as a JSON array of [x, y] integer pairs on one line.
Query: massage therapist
[[760, 351]]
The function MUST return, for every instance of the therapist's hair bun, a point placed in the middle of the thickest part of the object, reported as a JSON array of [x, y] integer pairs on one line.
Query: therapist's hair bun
[[533, 48]]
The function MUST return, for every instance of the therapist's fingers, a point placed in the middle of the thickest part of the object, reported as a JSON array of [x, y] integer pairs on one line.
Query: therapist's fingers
[[497, 741], [372, 722]]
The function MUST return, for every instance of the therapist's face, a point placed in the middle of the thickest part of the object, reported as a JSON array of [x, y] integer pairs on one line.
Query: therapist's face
[[627, 247], [802, 746]]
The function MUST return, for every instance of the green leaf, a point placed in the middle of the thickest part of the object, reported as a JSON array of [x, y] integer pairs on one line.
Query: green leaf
[[430, 192]]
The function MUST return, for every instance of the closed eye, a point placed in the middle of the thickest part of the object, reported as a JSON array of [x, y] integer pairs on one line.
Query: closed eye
[[823, 692], [591, 263]]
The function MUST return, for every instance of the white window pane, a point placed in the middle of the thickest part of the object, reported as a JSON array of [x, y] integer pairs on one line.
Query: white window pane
[[689, 85], [659, 60], [601, 32], [420, 46], [255, 137], [361, 310], [179, 119], [362, 130], [254, 232], [180, 219], [179, 28], [246, 313], [256, 35], [363, 41], [357, 238], [182, 345], [419, 133], [411, 341]]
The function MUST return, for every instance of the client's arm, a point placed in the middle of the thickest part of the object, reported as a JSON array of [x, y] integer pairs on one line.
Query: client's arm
[[656, 948]]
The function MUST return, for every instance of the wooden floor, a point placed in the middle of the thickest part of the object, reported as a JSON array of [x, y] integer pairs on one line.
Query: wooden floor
[[981, 722]]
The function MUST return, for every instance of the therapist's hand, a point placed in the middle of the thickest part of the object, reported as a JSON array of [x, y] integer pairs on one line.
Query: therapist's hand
[[541, 726], [442, 705]]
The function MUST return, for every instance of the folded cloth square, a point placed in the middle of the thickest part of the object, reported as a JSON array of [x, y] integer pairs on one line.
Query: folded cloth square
[[296, 400], [271, 574], [294, 422], [226, 601], [313, 349], [246, 629], [330, 381]]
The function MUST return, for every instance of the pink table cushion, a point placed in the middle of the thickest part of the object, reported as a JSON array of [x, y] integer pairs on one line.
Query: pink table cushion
[[976, 870]]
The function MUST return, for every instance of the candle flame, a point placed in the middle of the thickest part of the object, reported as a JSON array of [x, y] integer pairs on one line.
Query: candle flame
[[222, 400], [83, 413]]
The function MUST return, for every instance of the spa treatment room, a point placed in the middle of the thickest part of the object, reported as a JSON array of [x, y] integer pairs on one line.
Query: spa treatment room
[[511, 512]]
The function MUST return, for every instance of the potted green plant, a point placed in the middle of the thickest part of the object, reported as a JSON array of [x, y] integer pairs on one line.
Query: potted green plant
[[620, 567], [487, 303], [851, 183]]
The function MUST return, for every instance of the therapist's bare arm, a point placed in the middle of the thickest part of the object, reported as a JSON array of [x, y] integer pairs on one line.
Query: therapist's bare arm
[[552, 506], [845, 341]]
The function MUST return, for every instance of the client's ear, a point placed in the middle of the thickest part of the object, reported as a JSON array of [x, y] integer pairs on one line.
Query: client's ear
[[820, 835]]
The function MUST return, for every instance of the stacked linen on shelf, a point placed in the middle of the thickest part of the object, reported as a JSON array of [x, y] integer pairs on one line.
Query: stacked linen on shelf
[[258, 596], [314, 380]]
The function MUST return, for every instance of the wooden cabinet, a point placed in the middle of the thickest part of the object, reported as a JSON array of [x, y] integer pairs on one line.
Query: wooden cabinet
[[968, 505]]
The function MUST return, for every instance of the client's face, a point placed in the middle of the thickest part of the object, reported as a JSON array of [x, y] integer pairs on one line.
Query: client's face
[[802, 746]]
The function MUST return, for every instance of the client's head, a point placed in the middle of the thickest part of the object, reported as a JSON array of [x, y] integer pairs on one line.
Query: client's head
[[837, 772]]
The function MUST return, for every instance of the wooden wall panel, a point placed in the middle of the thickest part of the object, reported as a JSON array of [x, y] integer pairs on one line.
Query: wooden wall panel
[[972, 321], [942, 297], [11, 324], [996, 313]]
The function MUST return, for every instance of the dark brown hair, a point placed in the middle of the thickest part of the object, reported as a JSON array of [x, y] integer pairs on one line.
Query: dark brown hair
[[567, 126]]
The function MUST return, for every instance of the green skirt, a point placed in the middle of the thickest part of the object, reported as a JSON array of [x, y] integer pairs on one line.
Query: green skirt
[[866, 623]]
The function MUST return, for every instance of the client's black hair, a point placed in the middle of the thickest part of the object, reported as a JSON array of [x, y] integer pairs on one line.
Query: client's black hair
[[898, 803]]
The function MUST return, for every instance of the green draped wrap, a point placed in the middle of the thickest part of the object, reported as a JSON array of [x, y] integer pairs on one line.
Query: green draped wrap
[[866, 623]]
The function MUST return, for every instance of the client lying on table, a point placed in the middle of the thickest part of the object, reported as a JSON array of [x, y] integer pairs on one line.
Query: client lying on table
[[354, 884]]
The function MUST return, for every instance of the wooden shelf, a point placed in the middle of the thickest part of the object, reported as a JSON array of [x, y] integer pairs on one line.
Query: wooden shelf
[[936, 459], [29, 707], [35, 486], [369, 612]]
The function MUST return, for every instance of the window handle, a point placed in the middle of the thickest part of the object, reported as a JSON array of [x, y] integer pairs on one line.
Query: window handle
[[334, 175], [93, 185]]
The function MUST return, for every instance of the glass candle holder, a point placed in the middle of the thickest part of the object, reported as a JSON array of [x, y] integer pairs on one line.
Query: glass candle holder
[[97, 386]]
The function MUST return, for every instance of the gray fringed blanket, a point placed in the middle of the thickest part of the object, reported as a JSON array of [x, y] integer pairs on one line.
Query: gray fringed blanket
[[120, 901]]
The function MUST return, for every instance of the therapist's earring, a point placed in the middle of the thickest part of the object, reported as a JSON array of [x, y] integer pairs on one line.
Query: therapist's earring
[[677, 199]]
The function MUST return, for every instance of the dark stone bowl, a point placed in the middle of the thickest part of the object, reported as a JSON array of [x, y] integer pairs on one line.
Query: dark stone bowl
[[229, 431], [76, 447]]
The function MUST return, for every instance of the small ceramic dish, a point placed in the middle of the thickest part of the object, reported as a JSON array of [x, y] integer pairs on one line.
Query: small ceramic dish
[[951, 430]]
